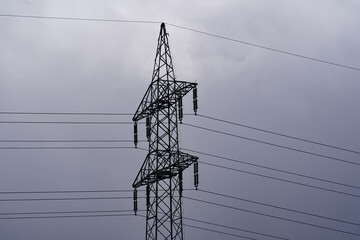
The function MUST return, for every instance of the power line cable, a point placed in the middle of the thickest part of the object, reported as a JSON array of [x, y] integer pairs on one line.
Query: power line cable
[[266, 48], [204, 116], [272, 216], [278, 207], [79, 19], [68, 141], [211, 230], [73, 113], [282, 180], [70, 216], [69, 212], [48, 122], [200, 190], [233, 228], [272, 144], [216, 231], [200, 115], [273, 169], [215, 165], [79, 191], [117, 215], [64, 199], [68, 113], [61, 148], [68, 191], [279, 134], [188, 29], [143, 149]]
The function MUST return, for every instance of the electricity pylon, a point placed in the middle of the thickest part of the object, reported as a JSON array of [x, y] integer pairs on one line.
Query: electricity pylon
[[162, 169]]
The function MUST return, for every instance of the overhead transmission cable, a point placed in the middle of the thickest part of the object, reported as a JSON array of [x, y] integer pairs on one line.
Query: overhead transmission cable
[[278, 134], [266, 48], [200, 190], [270, 216], [272, 144], [113, 215], [69, 216], [280, 179], [233, 228], [271, 168], [206, 163], [63, 122], [69, 191], [69, 141], [200, 115], [211, 230], [67, 212], [217, 231], [68, 113], [62, 148], [80, 191], [187, 29], [273, 178], [79, 19], [277, 207], [64, 199]]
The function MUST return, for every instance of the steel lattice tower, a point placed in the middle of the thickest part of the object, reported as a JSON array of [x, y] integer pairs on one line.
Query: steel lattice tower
[[162, 169]]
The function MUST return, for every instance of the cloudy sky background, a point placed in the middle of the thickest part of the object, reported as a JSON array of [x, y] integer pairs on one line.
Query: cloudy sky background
[[85, 66]]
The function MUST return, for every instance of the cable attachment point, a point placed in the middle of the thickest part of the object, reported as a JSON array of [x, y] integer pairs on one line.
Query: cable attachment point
[[180, 182], [180, 110], [195, 101], [148, 195], [135, 201], [135, 134], [196, 175], [148, 127]]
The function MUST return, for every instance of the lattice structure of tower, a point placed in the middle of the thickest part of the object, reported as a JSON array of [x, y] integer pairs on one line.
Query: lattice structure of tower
[[161, 172]]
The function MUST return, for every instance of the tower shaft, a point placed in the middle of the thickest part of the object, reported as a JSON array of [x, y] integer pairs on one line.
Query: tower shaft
[[161, 171]]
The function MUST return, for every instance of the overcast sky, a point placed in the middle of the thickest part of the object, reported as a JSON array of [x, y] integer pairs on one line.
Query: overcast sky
[[85, 66]]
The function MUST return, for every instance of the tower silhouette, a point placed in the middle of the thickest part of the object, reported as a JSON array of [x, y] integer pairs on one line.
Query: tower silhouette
[[164, 164]]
